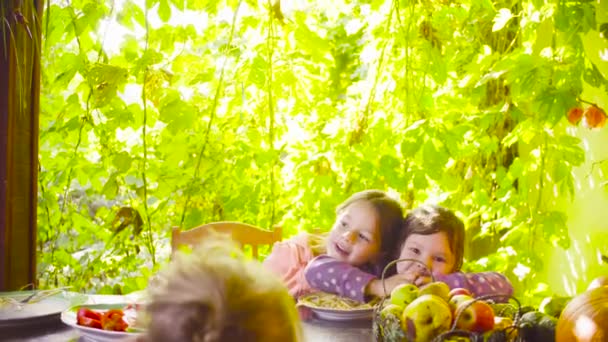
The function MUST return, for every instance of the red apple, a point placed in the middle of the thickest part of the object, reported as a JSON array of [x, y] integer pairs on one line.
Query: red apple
[[459, 290], [477, 317], [458, 299]]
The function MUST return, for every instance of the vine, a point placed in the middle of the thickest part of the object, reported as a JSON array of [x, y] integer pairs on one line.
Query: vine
[[144, 139], [272, 13], [220, 91], [211, 113]]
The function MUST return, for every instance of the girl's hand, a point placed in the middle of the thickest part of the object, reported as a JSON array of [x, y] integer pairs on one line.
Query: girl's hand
[[422, 280], [375, 288], [417, 277]]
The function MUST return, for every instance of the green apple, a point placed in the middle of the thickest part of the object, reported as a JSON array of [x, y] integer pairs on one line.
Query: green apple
[[404, 294], [391, 310], [425, 318], [437, 288]]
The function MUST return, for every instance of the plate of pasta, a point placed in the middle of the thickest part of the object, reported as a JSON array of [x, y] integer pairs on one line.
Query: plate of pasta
[[332, 307]]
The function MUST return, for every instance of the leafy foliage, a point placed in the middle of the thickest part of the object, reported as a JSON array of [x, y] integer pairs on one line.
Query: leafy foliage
[[273, 113]]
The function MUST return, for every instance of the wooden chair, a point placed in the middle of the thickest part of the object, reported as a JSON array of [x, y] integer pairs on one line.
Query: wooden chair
[[242, 233]]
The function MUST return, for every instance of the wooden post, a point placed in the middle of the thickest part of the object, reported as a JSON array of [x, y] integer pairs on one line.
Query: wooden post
[[19, 109]]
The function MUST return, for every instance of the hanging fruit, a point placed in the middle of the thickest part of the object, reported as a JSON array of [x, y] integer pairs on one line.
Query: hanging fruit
[[595, 117], [575, 114], [592, 117]]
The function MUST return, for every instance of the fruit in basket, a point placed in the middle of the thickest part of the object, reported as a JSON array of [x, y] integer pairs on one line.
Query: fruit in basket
[[404, 294], [456, 300], [585, 318], [391, 310], [459, 291], [501, 323], [554, 305], [477, 316], [536, 326], [504, 330], [426, 317], [437, 288]]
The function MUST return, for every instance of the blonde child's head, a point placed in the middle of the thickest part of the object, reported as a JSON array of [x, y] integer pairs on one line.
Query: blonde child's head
[[366, 228], [433, 235], [216, 294]]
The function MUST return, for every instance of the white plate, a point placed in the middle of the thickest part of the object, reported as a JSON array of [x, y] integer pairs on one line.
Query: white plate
[[92, 334], [37, 311], [341, 315]]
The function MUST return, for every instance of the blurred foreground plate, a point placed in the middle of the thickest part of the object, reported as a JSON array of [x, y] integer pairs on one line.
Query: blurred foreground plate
[[93, 334], [44, 306]]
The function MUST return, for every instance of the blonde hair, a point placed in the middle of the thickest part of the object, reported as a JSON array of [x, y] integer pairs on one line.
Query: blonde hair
[[216, 294]]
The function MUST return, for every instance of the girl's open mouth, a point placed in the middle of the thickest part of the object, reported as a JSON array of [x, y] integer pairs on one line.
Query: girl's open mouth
[[341, 251]]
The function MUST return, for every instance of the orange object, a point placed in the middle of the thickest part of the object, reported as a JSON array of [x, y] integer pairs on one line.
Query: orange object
[[242, 233], [585, 318], [88, 318], [595, 117], [597, 282], [575, 114], [112, 320]]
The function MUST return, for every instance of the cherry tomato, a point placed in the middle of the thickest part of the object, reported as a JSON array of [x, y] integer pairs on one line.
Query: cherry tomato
[[88, 318], [112, 320]]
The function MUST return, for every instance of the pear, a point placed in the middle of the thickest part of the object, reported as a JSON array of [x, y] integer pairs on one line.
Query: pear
[[437, 288]]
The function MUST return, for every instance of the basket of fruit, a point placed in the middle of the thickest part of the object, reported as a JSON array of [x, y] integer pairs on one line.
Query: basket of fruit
[[433, 312]]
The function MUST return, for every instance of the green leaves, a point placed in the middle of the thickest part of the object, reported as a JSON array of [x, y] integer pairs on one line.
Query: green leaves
[[122, 162], [105, 80], [164, 10], [463, 107]]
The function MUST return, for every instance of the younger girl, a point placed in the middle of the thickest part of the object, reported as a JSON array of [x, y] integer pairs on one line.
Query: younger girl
[[361, 239], [435, 236]]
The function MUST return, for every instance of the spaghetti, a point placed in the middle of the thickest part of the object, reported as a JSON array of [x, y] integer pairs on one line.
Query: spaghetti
[[323, 300]]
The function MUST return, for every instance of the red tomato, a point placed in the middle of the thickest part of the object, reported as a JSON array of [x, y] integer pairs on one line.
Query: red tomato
[[112, 320], [88, 318]]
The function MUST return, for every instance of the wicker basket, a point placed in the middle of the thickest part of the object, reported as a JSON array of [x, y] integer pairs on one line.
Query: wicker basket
[[388, 328]]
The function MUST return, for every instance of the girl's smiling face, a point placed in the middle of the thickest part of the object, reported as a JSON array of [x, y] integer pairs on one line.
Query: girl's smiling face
[[355, 237], [432, 250]]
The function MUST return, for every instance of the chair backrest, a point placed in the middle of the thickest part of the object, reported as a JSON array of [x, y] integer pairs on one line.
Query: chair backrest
[[242, 233]]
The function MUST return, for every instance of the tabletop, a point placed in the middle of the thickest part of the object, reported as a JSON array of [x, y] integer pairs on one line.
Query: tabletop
[[314, 330]]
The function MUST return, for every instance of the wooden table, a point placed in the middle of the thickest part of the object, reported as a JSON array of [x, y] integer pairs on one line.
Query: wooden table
[[53, 330], [314, 331]]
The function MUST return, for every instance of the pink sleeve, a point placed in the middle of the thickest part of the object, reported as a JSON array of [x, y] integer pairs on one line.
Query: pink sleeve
[[288, 260]]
